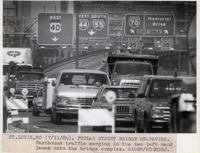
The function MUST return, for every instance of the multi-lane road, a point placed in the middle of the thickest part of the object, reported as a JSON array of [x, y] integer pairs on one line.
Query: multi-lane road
[[42, 123]]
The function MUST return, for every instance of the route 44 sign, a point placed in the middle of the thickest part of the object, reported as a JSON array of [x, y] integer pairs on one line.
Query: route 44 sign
[[93, 25], [55, 29]]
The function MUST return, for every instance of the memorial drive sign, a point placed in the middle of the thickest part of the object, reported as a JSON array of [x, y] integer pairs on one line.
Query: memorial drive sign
[[55, 28], [93, 25], [149, 25]]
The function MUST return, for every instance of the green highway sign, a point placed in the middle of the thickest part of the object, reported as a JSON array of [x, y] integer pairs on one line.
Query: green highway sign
[[93, 25], [55, 29], [162, 25]]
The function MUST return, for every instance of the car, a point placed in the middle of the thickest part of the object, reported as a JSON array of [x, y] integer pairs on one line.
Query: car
[[37, 102], [183, 108], [153, 102], [74, 89], [123, 97]]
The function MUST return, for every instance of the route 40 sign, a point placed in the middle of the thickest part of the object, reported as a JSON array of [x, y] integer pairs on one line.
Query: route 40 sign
[[55, 29], [93, 25]]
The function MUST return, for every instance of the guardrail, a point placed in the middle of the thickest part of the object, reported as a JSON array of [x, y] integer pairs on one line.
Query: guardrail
[[72, 59]]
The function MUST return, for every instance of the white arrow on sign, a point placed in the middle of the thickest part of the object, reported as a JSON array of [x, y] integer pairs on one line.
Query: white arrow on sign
[[54, 38], [91, 32]]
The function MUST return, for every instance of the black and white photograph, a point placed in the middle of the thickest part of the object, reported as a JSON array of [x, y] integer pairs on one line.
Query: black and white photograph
[[99, 67]]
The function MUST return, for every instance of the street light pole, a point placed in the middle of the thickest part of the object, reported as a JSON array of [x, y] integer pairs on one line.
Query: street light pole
[[77, 33]]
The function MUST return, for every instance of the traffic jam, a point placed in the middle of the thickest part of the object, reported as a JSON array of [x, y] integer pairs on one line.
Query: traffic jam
[[109, 69]]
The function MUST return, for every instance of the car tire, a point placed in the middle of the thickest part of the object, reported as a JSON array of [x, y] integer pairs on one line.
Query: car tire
[[94, 128], [37, 113], [136, 123], [33, 111], [146, 125], [185, 122], [101, 128], [173, 128], [51, 118], [56, 118], [137, 128]]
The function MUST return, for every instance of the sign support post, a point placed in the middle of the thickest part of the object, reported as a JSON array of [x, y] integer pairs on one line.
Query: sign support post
[[77, 34], [25, 92]]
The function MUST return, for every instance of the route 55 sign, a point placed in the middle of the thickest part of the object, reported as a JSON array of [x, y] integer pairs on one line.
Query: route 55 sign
[[98, 24], [93, 25], [55, 29]]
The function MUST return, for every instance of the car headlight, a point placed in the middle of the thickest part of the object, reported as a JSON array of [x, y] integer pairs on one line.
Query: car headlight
[[39, 104], [62, 101], [114, 82], [156, 112]]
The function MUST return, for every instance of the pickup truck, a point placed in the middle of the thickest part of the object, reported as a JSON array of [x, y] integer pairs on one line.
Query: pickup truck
[[123, 100], [32, 80], [153, 102], [74, 89]]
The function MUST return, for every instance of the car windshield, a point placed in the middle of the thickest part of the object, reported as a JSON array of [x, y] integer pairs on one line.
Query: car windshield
[[133, 68], [165, 88], [122, 92], [29, 76], [83, 79]]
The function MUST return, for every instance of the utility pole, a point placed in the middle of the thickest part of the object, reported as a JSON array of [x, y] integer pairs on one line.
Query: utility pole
[[77, 32]]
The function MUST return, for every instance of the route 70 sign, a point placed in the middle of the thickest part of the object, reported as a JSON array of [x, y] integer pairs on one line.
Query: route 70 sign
[[93, 25], [55, 29], [159, 25]]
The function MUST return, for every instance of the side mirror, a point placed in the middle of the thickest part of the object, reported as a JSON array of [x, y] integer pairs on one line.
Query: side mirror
[[94, 98], [53, 83], [45, 79], [103, 61], [140, 95]]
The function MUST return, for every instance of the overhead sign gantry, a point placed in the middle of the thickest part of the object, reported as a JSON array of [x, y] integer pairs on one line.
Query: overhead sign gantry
[[55, 29], [149, 25]]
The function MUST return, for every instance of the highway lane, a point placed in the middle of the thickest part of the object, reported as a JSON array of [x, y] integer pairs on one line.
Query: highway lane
[[42, 124], [93, 62]]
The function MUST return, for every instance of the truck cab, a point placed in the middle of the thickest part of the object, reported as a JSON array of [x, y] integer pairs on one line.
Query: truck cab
[[32, 79], [130, 72]]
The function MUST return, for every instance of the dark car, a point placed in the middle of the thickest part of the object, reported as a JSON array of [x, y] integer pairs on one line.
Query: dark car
[[123, 103], [37, 103], [153, 102], [183, 108]]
